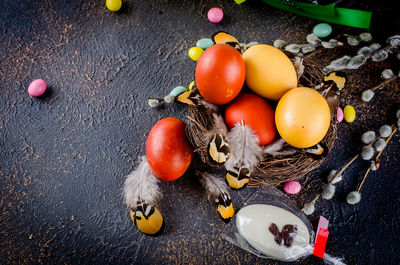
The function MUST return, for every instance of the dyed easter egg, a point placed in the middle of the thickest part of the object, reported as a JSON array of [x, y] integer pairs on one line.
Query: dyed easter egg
[[37, 88]]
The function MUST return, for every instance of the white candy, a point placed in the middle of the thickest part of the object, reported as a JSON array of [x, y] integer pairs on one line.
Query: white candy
[[353, 197], [367, 95], [368, 137]]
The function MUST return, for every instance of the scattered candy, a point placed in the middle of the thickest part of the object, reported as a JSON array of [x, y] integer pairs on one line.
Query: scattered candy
[[349, 113], [322, 30], [328, 192], [114, 5], [177, 91], [204, 43], [339, 115], [387, 74], [367, 95], [37, 88], [380, 144], [195, 53], [368, 137], [215, 15], [292, 187], [367, 152], [353, 197], [332, 174], [385, 131]]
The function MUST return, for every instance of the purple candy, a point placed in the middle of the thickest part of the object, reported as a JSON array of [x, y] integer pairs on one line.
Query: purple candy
[[215, 15], [37, 88], [292, 187]]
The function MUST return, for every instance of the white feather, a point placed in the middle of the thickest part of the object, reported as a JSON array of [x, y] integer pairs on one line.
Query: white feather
[[213, 186], [141, 186], [244, 149], [278, 148]]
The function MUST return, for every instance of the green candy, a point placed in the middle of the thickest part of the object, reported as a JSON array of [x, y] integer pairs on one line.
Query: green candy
[[322, 30], [204, 43], [177, 91]]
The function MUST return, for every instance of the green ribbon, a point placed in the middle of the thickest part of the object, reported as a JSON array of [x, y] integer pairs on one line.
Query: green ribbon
[[329, 13]]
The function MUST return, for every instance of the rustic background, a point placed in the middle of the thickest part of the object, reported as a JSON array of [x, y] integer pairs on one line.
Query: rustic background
[[63, 157]]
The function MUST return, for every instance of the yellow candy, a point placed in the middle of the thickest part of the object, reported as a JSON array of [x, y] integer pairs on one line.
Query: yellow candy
[[349, 113], [191, 85], [195, 53], [114, 5]]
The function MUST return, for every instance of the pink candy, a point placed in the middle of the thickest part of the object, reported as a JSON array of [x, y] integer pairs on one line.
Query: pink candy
[[339, 115], [215, 15], [292, 187], [37, 88]]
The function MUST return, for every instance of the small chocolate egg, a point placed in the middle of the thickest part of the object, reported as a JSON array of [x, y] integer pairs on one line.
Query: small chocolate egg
[[195, 53], [292, 187], [37, 88], [215, 15], [349, 113], [322, 30], [204, 43], [114, 5]]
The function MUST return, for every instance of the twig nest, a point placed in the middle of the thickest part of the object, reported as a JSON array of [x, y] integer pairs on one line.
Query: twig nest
[[375, 165], [338, 64], [356, 61], [332, 174], [311, 38], [307, 49], [385, 131], [352, 41], [367, 152], [368, 137], [353, 197], [309, 209], [380, 144], [367, 95], [366, 36], [375, 46], [153, 102], [387, 74], [365, 51], [293, 48], [328, 191], [393, 40], [280, 44], [169, 98], [380, 56]]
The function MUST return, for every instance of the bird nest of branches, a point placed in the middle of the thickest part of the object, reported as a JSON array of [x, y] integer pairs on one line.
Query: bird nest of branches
[[277, 162]]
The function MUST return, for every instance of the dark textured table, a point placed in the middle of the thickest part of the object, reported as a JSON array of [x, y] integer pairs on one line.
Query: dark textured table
[[64, 156]]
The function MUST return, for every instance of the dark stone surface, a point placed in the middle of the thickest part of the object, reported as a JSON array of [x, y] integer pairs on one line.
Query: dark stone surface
[[64, 156]]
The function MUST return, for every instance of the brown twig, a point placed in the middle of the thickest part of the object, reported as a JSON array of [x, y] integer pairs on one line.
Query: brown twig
[[382, 84], [376, 159]]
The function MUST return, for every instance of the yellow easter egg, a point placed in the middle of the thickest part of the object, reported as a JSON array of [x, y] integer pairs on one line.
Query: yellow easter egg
[[195, 53], [302, 117], [269, 72], [114, 5]]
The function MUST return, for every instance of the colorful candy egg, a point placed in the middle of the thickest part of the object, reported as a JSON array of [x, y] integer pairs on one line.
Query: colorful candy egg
[[349, 114]]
